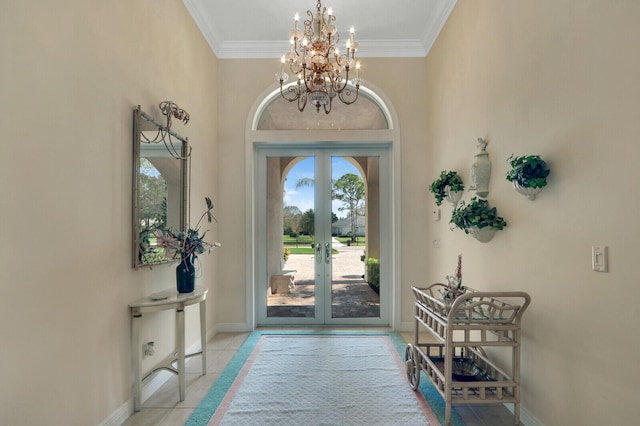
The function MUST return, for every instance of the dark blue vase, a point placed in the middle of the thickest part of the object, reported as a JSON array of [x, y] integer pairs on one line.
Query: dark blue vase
[[186, 275]]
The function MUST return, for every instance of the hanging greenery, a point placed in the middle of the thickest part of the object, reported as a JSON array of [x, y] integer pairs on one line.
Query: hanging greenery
[[476, 214], [439, 186], [529, 171]]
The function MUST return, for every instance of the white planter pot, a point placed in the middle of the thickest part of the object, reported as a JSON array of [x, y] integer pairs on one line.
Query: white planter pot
[[529, 192], [452, 196], [484, 235]]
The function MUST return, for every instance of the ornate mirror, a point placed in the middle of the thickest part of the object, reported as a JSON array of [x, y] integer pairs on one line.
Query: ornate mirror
[[160, 182]]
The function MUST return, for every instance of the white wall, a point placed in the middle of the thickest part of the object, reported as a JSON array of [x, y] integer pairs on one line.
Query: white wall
[[71, 73], [558, 79]]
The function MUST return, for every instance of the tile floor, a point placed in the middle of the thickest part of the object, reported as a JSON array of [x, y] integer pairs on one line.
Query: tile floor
[[164, 408]]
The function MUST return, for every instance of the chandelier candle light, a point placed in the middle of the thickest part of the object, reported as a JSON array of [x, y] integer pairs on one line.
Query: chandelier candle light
[[316, 60]]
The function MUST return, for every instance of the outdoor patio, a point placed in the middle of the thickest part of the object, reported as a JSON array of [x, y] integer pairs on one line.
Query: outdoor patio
[[351, 295]]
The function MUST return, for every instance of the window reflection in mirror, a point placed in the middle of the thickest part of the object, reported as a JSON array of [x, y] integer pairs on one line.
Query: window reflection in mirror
[[159, 200]]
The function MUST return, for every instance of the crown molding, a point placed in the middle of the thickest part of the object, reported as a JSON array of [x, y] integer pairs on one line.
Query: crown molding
[[264, 49], [256, 49], [203, 25], [436, 23], [412, 48]]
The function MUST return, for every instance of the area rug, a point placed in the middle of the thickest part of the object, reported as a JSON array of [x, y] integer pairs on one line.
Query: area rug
[[318, 378]]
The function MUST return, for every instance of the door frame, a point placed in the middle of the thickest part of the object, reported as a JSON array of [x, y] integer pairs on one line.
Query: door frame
[[323, 297], [256, 139]]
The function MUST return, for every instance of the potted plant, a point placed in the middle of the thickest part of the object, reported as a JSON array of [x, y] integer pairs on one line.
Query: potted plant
[[477, 219], [187, 246], [448, 186], [454, 287], [528, 174]]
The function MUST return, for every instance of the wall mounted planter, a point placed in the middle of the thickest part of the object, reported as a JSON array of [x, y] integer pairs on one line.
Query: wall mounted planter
[[448, 186], [452, 196], [478, 219], [484, 235], [528, 174], [528, 192]]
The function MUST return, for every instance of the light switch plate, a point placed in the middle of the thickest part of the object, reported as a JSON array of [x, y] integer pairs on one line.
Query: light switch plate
[[599, 258]]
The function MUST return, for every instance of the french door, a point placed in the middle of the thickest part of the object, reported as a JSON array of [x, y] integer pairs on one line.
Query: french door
[[322, 217]]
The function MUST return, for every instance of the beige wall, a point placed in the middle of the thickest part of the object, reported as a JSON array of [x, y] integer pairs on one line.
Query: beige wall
[[559, 79], [71, 73], [552, 78]]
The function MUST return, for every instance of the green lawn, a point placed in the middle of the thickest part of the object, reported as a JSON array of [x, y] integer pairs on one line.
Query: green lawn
[[299, 241], [303, 244], [301, 250], [360, 241]]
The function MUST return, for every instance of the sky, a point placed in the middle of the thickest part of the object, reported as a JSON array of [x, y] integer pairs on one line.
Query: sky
[[303, 197]]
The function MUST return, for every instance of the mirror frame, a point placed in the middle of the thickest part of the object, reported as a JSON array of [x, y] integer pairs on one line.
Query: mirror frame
[[143, 122]]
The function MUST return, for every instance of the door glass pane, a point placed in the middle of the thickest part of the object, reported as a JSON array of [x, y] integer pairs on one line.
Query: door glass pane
[[322, 239], [355, 238], [290, 237]]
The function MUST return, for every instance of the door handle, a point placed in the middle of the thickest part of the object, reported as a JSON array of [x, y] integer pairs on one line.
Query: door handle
[[327, 253]]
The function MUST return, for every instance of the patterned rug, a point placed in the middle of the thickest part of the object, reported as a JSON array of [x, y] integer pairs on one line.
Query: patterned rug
[[318, 378]]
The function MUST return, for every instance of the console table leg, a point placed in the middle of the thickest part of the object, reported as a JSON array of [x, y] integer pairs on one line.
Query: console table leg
[[181, 348], [135, 359], [203, 335]]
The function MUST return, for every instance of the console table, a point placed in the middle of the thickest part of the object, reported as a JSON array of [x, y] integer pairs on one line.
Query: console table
[[162, 301]]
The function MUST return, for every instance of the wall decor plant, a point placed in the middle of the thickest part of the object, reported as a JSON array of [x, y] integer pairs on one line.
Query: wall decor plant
[[448, 186], [478, 219], [528, 174]]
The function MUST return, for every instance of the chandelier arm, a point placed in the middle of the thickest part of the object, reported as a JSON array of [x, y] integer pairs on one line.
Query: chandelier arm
[[348, 92], [330, 46], [302, 102], [306, 80], [294, 70], [327, 111], [335, 82], [308, 25], [292, 90]]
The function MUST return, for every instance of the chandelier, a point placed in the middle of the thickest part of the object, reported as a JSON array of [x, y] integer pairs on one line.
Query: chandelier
[[322, 71]]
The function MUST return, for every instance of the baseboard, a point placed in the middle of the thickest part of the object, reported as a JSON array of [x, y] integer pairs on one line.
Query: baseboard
[[526, 417], [118, 417], [122, 413], [232, 327], [211, 331], [406, 326]]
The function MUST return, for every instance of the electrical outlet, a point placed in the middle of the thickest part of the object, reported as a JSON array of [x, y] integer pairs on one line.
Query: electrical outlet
[[148, 349]]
